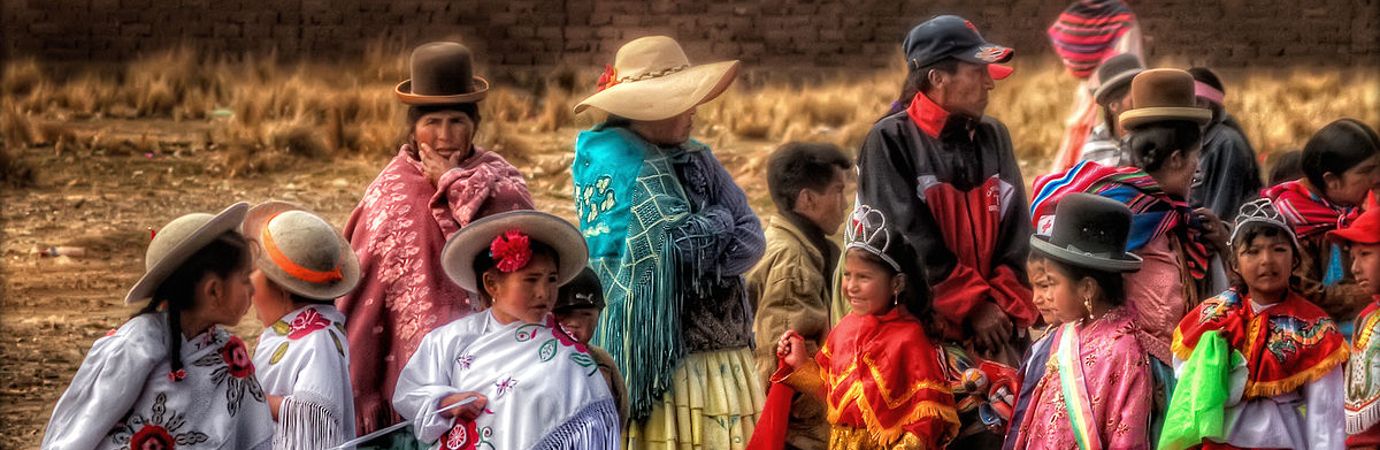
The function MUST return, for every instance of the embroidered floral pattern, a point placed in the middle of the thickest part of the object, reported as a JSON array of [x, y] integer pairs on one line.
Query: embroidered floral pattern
[[563, 335], [307, 321], [465, 361], [505, 385], [233, 367], [467, 436], [161, 430], [1290, 335]]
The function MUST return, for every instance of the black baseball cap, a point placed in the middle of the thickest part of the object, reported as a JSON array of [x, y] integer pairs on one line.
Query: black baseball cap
[[953, 36]]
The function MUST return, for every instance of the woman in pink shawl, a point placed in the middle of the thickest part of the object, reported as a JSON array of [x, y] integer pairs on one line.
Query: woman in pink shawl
[[438, 183]]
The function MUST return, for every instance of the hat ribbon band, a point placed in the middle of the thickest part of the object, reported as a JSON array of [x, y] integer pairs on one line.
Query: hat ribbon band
[[657, 74], [1103, 255], [291, 268]]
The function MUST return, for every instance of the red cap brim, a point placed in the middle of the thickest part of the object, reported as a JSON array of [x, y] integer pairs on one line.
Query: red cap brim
[[999, 71], [1363, 230]]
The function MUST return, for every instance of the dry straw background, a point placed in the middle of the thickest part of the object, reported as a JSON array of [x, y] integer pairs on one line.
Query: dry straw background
[[262, 115]]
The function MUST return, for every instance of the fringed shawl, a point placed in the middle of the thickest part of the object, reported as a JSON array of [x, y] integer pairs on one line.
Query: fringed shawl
[[1285, 346], [1363, 373], [628, 200]]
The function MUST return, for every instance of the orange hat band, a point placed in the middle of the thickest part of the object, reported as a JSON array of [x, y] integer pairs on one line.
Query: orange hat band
[[291, 268]]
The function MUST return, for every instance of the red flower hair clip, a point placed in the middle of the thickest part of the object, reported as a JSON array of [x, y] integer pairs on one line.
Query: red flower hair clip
[[512, 250], [608, 79]]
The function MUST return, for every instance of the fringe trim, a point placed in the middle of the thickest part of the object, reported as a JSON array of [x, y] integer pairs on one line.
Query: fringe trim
[[305, 421], [643, 333], [594, 427], [1360, 420], [1258, 389]]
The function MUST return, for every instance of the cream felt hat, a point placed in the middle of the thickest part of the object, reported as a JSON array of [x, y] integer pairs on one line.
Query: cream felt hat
[[651, 79], [458, 256], [179, 240], [301, 252]]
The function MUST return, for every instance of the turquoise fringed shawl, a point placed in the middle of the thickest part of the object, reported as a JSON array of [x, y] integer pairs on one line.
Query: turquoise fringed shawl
[[629, 199]]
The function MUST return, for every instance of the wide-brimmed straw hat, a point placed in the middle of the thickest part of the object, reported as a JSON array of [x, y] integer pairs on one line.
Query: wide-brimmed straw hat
[[651, 79], [457, 258], [179, 240], [1114, 73], [1090, 231], [1159, 95], [442, 73], [301, 252]]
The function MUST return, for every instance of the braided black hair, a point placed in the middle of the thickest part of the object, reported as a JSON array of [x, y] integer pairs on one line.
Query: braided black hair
[[226, 254]]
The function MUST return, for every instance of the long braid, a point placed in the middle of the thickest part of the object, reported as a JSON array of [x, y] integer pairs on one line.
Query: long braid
[[178, 291]]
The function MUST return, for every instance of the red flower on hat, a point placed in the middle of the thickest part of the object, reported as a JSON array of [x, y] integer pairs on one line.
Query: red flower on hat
[[307, 322], [608, 79], [237, 358], [152, 437], [512, 250]]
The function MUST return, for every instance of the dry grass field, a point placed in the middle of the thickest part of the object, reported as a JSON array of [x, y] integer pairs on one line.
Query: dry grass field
[[94, 156]]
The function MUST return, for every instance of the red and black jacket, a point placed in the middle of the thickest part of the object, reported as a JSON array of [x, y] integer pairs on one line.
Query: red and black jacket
[[952, 186]]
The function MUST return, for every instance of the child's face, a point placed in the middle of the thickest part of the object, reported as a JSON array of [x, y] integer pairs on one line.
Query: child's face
[[869, 288], [1040, 284], [264, 297], [1265, 264], [1365, 266], [527, 294], [226, 299], [1066, 299], [580, 322]]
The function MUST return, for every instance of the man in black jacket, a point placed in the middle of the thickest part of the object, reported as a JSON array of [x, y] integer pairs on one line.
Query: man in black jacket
[[947, 175]]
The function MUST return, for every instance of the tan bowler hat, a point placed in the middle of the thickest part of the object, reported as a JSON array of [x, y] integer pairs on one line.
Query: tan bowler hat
[[442, 74], [1158, 95], [179, 240], [301, 252], [651, 79]]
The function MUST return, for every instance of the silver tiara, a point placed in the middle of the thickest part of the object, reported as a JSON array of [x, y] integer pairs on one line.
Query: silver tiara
[[867, 231], [1261, 210]]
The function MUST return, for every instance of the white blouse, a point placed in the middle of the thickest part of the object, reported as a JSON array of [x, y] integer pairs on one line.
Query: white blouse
[[124, 395], [304, 358]]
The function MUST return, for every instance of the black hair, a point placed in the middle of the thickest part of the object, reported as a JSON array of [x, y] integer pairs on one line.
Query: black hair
[[918, 80], [917, 296], [484, 262], [1208, 77], [415, 113], [1113, 284], [1286, 166], [1336, 148], [1153, 143], [1246, 233], [802, 165], [226, 254]]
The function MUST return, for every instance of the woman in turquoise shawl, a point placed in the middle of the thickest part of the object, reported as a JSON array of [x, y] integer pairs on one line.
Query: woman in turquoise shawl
[[670, 236]]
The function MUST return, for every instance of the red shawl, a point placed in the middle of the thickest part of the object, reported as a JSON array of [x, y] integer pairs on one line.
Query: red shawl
[[397, 231], [882, 375], [1286, 346], [1307, 212]]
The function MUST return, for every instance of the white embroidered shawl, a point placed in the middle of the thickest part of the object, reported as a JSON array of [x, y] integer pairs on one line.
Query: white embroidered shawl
[[304, 358]]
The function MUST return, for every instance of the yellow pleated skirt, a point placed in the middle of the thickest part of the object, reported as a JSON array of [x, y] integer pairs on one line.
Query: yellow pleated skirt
[[713, 405]]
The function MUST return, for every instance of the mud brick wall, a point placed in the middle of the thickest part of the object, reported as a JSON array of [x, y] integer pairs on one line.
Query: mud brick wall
[[765, 34]]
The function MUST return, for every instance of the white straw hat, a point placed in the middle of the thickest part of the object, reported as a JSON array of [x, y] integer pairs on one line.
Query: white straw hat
[[651, 79], [179, 240], [301, 252]]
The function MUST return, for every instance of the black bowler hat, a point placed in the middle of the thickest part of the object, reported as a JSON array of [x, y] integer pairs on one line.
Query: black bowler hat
[[1090, 232]]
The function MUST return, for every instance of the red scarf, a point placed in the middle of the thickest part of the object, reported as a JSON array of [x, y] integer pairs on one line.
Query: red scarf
[[1286, 346], [1307, 212]]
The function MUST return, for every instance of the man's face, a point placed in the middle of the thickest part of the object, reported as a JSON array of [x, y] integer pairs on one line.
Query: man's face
[[964, 91]]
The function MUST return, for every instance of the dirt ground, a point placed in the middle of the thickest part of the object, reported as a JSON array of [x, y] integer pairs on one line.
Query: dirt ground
[[53, 308]]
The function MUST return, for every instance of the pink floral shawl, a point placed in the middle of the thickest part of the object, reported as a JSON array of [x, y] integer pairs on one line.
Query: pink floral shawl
[[397, 231]]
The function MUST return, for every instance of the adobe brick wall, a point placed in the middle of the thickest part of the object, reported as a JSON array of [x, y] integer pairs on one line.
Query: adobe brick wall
[[768, 33]]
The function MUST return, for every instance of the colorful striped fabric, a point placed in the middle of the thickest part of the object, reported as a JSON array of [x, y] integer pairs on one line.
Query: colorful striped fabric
[[1086, 33], [1075, 389], [1154, 211], [1307, 212]]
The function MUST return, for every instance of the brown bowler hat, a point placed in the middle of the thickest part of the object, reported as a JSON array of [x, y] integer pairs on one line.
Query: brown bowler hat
[[1158, 95], [442, 74]]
